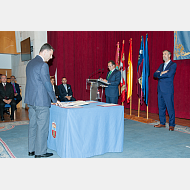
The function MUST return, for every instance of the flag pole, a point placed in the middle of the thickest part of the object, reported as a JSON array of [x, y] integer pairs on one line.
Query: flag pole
[[139, 107], [147, 111], [130, 104]]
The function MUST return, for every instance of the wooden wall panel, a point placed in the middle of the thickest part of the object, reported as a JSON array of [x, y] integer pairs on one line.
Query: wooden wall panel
[[8, 42]]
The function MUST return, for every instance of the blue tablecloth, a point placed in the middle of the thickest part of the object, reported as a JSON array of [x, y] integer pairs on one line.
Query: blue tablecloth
[[87, 131]]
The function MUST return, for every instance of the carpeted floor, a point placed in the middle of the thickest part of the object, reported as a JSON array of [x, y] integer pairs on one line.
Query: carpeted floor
[[140, 141]]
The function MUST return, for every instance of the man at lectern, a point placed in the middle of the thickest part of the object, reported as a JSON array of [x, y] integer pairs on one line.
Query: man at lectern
[[114, 78]]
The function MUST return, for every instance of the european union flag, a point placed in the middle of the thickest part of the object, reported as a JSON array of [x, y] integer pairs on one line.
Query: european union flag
[[181, 45], [139, 70], [146, 72]]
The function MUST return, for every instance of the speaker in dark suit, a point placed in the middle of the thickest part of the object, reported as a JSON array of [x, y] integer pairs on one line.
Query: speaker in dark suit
[[16, 88], [114, 78], [65, 91], [165, 75], [6, 97]]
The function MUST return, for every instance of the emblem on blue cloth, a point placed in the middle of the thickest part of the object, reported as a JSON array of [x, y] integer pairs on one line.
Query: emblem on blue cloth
[[181, 45], [54, 129]]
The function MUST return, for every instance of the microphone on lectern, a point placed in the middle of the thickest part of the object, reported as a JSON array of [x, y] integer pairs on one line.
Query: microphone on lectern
[[94, 73]]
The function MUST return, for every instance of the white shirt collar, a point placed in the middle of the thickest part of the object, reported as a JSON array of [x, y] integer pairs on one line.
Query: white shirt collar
[[113, 70], [167, 62], [42, 58]]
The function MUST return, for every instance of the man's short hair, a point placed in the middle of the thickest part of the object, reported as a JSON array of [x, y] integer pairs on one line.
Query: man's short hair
[[63, 78], [47, 47], [111, 61], [13, 76], [3, 75], [168, 52]]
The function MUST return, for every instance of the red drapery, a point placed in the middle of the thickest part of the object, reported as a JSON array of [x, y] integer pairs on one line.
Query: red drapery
[[79, 53]]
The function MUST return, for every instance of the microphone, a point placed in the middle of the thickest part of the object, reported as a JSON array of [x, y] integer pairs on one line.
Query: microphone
[[93, 73], [101, 73]]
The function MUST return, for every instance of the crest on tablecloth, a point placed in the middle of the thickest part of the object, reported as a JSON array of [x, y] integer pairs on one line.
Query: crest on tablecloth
[[54, 129]]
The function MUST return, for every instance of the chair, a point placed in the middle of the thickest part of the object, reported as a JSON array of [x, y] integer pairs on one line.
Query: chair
[[9, 106]]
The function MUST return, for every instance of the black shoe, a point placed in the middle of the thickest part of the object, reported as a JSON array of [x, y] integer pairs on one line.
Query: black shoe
[[12, 118], [2, 119], [44, 155], [31, 153]]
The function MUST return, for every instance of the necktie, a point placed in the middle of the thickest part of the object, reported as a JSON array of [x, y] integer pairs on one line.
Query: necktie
[[14, 88], [4, 84], [109, 74], [65, 87]]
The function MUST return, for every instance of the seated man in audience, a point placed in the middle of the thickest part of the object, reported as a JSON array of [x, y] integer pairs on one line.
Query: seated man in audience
[[16, 90], [6, 96], [65, 91], [55, 87]]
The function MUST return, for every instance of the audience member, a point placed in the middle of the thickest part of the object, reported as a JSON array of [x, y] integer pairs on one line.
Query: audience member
[[6, 97], [65, 91], [16, 88], [55, 87]]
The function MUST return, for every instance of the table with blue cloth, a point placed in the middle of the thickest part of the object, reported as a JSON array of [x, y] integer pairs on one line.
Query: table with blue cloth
[[87, 131]]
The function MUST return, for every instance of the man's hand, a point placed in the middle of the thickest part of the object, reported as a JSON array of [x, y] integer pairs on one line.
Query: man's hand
[[105, 80], [163, 72], [157, 71], [58, 102], [68, 97], [15, 94], [7, 101]]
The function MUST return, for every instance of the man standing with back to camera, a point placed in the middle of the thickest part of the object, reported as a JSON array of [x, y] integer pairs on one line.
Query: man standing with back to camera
[[165, 75], [38, 96]]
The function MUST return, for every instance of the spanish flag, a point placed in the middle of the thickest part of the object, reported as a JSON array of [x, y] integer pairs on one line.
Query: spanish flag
[[123, 74], [117, 57], [129, 73]]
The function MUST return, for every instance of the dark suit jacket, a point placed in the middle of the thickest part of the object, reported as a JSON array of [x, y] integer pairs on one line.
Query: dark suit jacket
[[9, 93], [165, 82], [112, 89], [56, 90], [17, 88], [39, 91], [62, 91]]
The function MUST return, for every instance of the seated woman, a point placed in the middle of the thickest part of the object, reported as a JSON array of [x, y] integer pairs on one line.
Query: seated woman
[[55, 87]]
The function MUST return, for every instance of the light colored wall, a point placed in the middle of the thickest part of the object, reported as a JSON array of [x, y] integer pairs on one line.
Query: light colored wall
[[37, 38], [5, 61]]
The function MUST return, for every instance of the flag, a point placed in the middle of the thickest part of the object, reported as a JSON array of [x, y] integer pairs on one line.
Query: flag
[[139, 70], [56, 76], [123, 74], [129, 73], [117, 57], [146, 72]]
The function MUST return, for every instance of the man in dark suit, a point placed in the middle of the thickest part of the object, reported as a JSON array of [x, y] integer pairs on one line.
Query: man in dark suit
[[65, 91], [165, 75], [55, 87], [114, 78], [6, 97], [38, 96], [16, 88]]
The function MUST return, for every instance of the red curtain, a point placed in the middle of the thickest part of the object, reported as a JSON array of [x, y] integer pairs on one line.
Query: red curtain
[[80, 53]]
